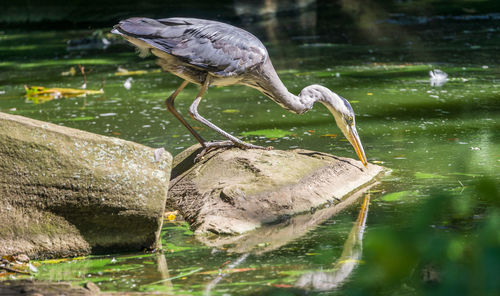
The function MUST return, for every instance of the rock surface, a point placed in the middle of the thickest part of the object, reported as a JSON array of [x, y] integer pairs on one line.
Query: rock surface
[[273, 236], [30, 287], [235, 191], [52, 288], [66, 192]]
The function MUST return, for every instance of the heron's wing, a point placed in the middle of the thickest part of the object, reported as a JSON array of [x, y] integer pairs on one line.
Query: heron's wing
[[219, 48]]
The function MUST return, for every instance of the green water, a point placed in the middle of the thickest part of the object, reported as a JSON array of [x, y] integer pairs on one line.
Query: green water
[[438, 141]]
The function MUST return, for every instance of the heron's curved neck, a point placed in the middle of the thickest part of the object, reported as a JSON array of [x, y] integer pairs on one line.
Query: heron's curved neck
[[296, 104], [306, 98], [269, 83]]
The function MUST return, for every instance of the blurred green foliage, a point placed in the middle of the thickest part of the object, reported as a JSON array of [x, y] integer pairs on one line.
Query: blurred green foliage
[[451, 246]]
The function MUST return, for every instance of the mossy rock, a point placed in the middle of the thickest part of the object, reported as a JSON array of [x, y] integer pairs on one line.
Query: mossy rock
[[66, 192]]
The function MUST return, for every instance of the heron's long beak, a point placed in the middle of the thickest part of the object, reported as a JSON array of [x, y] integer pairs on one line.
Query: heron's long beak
[[353, 138]]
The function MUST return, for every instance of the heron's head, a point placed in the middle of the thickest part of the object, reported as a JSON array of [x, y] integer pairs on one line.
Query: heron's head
[[343, 114]]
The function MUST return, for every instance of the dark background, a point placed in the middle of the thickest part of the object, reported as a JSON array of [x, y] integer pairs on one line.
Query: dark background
[[89, 14]]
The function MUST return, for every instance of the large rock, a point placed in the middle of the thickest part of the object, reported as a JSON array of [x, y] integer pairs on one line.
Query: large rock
[[30, 287], [273, 236], [234, 191], [65, 192]]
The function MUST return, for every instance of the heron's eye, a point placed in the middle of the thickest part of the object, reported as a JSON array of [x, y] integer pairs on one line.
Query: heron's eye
[[349, 120]]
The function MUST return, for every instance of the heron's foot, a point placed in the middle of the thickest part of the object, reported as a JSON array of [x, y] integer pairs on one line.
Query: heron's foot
[[209, 146], [244, 145]]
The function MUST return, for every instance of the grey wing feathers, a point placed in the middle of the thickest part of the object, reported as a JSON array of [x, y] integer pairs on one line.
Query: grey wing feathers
[[213, 46]]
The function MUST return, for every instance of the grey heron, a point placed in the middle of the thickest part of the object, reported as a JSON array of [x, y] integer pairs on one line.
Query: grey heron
[[208, 53]]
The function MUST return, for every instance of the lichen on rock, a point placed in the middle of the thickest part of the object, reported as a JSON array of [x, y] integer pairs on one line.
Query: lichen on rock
[[67, 192]]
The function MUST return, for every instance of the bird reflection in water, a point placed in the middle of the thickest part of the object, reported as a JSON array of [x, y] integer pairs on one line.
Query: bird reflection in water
[[343, 267], [278, 236]]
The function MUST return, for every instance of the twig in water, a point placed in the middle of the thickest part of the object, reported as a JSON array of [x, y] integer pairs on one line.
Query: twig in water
[[177, 276], [82, 69], [14, 270]]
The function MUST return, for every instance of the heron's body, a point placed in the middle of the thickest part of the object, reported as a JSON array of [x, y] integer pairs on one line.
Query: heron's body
[[212, 53]]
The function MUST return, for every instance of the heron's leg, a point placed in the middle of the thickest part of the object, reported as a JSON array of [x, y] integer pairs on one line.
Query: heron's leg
[[233, 141], [170, 106]]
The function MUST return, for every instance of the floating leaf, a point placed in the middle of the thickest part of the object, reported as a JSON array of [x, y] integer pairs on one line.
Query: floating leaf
[[71, 72], [127, 73], [229, 271], [132, 257], [467, 174], [54, 261], [171, 215], [40, 94], [289, 71], [182, 276], [83, 118], [124, 72], [419, 175], [397, 195], [333, 136], [231, 111], [268, 133], [174, 248]]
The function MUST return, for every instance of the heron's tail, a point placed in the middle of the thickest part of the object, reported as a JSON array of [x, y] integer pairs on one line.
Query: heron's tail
[[138, 27], [139, 31]]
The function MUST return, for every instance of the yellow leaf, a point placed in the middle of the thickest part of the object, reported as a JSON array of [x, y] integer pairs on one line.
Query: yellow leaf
[[124, 72], [54, 261], [231, 111], [71, 72], [333, 136], [40, 94], [171, 215], [351, 261], [129, 73]]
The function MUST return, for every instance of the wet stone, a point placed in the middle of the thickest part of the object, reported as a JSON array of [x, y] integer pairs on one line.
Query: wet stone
[[30, 287], [235, 191], [66, 192]]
